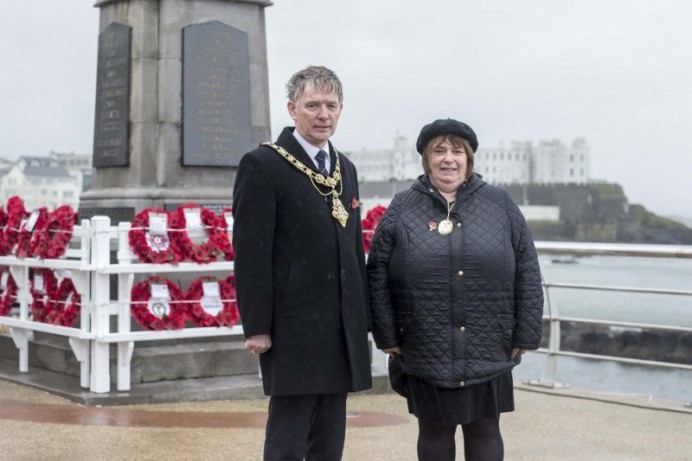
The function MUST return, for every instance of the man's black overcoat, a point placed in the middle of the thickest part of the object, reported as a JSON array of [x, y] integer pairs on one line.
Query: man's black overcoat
[[300, 276]]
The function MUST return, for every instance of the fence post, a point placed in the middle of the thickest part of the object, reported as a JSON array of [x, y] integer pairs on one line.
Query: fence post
[[100, 283], [125, 348]]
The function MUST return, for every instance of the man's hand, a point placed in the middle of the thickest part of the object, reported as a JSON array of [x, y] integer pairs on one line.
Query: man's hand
[[258, 344]]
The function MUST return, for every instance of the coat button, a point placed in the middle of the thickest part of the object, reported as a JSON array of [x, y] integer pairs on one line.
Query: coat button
[[461, 273], [462, 328], [458, 224], [462, 383]]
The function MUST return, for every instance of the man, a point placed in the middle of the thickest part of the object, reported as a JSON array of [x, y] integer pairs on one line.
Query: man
[[300, 274]]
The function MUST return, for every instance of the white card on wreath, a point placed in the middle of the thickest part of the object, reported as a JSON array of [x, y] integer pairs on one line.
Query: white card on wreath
[[31, 222], [211, 299], [228, 216], [159, 307], [158, 223], [157, 236], [3, 280], [194, 226], [39, 284], [160, 290]]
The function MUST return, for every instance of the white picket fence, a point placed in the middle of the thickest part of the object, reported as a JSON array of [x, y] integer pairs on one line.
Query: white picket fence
[[88, 260]]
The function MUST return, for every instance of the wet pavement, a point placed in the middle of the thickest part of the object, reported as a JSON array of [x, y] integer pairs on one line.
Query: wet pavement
[[548, 425]]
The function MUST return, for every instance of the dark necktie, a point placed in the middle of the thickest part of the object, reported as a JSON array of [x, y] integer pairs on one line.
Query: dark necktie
[[321, 158]]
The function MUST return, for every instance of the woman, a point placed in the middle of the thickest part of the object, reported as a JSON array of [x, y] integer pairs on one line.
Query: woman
[[456, 296]]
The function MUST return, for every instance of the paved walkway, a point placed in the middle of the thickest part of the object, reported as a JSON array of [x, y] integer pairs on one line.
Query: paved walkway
[[552, 425]]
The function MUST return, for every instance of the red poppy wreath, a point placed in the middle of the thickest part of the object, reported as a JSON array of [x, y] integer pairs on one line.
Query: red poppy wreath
[[158, 304], [14, 215], [64, 306], [43, 287], [8, 291], [212, 302], [194, 232], [30, 233], [150, 240], [57, 233], [369, 223]]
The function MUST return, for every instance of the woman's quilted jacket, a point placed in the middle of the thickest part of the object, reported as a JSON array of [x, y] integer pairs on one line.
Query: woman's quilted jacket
[[456, 304]]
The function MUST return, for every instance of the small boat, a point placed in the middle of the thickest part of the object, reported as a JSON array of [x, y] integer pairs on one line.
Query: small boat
[[564, 259]]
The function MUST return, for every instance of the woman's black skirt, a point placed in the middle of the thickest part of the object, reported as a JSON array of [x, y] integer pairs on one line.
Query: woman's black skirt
[[460, 406]]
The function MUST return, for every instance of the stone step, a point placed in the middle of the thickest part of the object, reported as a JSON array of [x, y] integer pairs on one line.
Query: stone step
[[182, 390], [182, 360]]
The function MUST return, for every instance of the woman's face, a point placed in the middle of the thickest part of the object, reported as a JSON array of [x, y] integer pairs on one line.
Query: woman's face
[[447, 165]]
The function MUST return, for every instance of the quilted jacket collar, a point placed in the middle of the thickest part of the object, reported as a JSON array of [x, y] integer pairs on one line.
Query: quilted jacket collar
[[422, 184]]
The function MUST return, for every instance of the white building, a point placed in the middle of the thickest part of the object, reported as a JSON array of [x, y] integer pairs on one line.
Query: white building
[[40, 181], [400, 163], [556, 163], [549, 161], [78, 165]]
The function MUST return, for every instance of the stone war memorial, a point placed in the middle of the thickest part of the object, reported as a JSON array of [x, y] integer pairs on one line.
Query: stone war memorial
[[181, 96]]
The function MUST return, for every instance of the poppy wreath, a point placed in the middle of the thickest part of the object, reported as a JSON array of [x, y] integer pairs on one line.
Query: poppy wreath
[[14, 213], [64, 306], [140, 296], [227, 316], [201, 253], [150, 249], [57, 233], [369, 224], [9, 295], [39, 304], [224, 237], [29, 237]]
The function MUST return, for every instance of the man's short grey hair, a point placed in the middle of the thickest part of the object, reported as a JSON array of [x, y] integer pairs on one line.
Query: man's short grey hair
[[320, 77]]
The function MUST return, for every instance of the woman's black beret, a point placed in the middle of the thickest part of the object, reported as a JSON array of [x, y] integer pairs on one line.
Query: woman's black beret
[[445, 126]]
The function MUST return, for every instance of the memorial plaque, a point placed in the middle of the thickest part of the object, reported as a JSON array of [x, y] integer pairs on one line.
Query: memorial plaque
[[217, 125], [111, 129]]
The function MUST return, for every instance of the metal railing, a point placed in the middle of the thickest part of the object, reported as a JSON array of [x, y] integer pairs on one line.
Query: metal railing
[[553, 316]]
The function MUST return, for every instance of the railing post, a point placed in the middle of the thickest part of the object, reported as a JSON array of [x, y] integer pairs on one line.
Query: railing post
[[550, 368], [125, 348], [100, 283], [20, 336]]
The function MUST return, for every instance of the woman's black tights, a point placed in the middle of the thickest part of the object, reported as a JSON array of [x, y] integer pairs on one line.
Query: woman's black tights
[[482, 441]]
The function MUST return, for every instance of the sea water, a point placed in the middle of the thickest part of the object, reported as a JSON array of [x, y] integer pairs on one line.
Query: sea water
[[661, 309]]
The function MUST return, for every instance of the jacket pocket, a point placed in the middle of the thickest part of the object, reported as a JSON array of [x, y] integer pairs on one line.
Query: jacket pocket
[[506, 325], [285, 301], [404, 323]]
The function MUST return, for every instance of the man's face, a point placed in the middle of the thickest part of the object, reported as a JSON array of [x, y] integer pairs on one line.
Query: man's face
[[316, 114]]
